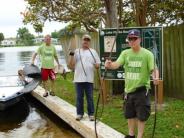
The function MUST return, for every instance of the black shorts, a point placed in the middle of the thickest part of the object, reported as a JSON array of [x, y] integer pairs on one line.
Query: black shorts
[[137, 105]]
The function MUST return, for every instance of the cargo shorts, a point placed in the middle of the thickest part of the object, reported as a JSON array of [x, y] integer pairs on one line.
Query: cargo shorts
[[137, 104]]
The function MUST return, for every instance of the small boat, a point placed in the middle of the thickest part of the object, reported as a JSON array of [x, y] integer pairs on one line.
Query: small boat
[[12, 88]]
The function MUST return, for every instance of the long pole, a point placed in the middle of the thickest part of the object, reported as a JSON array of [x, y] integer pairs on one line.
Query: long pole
[[101, 83], [155, 86]]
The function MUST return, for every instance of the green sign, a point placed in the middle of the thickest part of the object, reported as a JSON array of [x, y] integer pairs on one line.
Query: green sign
[[151, 40]]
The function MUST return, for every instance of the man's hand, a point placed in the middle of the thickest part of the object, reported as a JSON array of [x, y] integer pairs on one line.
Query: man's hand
[[108, 64], [71, 53], [33, 58], [59, 66], [155, 81], [96, 65], [155, 76], [32, 62]]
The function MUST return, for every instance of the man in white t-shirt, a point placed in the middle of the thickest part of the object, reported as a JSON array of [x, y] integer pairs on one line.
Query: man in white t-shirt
[[84, 60]]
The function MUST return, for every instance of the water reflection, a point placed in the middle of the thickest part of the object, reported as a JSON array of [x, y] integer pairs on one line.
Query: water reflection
[[2, 56], [14, 59], [54, 128], [39, 122], [24, 57]]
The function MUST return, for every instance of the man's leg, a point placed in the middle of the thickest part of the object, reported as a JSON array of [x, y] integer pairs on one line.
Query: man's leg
[[143, 111], [45, 74], [130, 114], [45, 86], [52, 88], [89, 97], [52, 77], [131, 126], [141, 125], [79, 100]]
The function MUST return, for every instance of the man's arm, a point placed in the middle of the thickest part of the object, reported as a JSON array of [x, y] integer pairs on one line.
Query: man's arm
[[97, 65], [33, 58], [57, 60], [155, 76], [97, 60], [111, 65], [71, 63]]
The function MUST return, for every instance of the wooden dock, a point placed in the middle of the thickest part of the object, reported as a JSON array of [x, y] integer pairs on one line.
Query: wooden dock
[[67, 112]]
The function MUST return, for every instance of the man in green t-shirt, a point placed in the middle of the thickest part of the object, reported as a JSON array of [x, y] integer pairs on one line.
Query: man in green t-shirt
[[47, 54], [138, 65]]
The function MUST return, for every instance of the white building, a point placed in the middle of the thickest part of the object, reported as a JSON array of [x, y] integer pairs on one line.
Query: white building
[[8, 42], [41, 40]]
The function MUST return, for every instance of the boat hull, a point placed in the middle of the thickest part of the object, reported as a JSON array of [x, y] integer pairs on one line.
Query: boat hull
[[12, 88], [5, 104]]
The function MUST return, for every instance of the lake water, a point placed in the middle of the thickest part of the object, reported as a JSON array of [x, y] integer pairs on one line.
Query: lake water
[[29, 118], [14, 58]]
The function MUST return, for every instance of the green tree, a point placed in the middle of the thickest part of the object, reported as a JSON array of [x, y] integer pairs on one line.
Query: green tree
[[88, 13], [38, 28], [154, 12], [1, 37], [24, 37], [55, 34], [80, 13]]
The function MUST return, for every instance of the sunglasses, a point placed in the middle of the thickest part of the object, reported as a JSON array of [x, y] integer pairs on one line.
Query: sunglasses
[[132, 39], [86, 39]]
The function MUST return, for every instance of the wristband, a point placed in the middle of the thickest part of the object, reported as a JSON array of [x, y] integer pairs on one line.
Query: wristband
[[71, 53]]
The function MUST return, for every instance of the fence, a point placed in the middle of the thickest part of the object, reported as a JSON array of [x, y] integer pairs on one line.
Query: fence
[[174, 61]]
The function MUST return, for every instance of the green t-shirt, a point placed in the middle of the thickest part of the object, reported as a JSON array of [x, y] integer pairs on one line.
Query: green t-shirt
[[47, 54], [138, 67]]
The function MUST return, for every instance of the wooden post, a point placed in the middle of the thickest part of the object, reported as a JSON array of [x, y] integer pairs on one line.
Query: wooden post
[[160, 92], [105, 88]]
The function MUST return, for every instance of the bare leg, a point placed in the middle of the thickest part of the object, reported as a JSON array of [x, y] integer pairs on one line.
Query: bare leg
[[52, 88], [141, 125], [131, 126], [45, 86], [52, 85]]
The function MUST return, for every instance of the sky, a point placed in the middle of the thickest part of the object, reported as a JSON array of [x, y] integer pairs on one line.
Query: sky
[[11, 19]]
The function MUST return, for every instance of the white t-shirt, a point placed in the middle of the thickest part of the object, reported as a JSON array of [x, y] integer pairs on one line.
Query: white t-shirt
[[88, 64]]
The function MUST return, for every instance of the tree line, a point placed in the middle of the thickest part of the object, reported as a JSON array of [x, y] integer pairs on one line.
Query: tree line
[[25, 38], [89, 14]]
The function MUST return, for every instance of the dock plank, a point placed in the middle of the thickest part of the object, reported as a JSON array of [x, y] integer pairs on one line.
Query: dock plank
[[67, 112]]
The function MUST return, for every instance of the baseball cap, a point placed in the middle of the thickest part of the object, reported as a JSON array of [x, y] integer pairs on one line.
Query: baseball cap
[[134, 33], [86, 36]]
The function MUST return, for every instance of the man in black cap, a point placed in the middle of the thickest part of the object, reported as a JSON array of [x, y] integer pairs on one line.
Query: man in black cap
[[138, 64]]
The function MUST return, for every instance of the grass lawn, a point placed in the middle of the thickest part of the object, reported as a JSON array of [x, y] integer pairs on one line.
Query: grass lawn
[[170, 121]]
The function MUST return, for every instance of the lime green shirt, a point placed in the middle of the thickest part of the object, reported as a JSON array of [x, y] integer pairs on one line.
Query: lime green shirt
[[138, 67], [47, 54]]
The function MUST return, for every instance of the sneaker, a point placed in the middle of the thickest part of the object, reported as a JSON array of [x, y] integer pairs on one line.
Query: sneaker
[[45, 94], [91, 118], [79, 117], [128, 136], [52, 93]]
